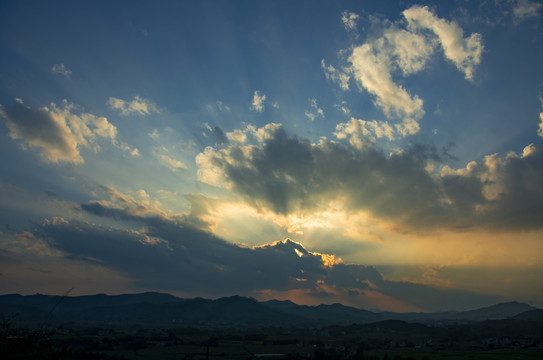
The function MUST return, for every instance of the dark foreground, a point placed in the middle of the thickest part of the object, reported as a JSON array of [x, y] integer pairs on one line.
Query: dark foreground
[[391, 339], [162, 327]]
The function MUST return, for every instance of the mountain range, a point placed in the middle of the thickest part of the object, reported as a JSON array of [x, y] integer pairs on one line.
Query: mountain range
[[153, 308]]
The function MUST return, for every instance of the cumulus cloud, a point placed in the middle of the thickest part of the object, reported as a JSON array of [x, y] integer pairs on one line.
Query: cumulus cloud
[[524, 9], [372, 70], [237, 135], [362, 133], [410, 51], [58, 133], [258, 101], [404, 47], [136, 106], [465, 53], [287, 175], [315, 111], [61, 69]]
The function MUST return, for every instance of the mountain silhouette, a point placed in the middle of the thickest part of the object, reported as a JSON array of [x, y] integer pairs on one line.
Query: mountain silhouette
[[161, 309]]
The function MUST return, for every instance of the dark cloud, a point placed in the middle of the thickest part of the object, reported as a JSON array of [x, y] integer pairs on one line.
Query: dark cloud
[[7, 256], [219, 135], [39, 129], [56, 133], [285, 175], [173, 256]]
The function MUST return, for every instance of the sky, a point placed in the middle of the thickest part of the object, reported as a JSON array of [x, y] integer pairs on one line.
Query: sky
[[384, 155]]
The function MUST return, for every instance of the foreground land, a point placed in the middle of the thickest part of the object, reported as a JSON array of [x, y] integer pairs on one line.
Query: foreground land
[[503, 339], [162, 327]]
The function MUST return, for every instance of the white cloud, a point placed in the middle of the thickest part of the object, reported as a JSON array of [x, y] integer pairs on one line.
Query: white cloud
[[172, 163], [315, 111], [258, 101], [372, 70], [362, 133], [137, 106], [465, 53], [163, 155], [524, 9], [61, 69], [349, 19], [343, 108], [337, 76], [143, 194], [408, 51], [125, 147], [237, 135], [264, 133], [58, 133]]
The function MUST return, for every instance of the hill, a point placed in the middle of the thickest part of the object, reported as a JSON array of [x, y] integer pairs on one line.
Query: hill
[[235, 311]]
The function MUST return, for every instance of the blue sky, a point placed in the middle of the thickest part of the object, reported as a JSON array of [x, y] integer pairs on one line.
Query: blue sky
[[383, 155]]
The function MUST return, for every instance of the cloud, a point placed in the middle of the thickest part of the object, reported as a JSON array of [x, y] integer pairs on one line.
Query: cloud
[[222, 107], [315, 111], [61, 69], [216, 133], [393, 48], [410, 51], [524, 9], [343, 108], [163, 155], [217, 108], [237, 135], [362, 133], [540, 129], [288, 175], [503, 192], [258, 101], [465, 53], [137, 106], [154, 134], [58, 133], [373, 73], [349, 19], [373, 63], [337, 76], [167, 248], [219, 135]]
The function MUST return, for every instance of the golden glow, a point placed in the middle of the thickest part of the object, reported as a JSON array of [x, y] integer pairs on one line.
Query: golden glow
[[388, 244], [329, 260]]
